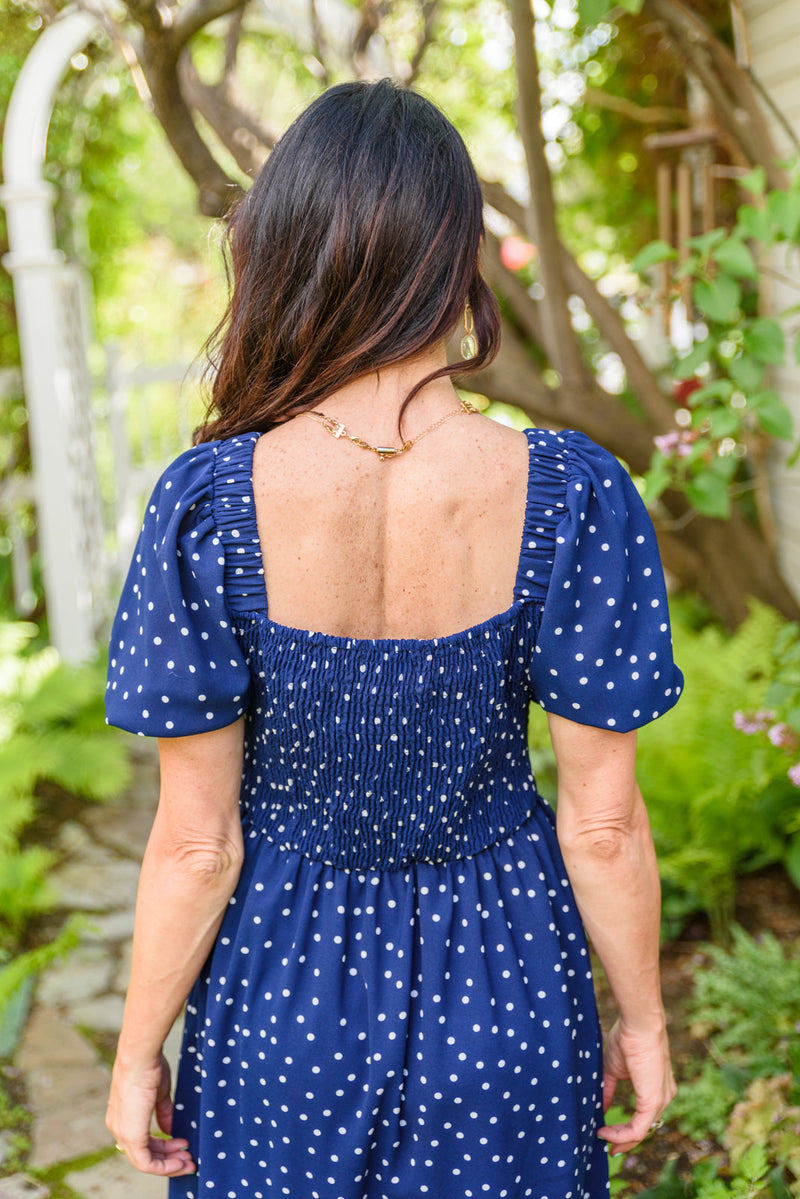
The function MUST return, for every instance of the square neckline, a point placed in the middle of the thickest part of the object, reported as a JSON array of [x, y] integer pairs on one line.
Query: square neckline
[[479, 631]]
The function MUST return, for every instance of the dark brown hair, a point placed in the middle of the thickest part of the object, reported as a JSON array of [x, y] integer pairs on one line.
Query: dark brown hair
[[356, 248]]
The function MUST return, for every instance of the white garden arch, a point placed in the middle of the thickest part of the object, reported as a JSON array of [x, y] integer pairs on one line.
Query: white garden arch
[[52, 320]]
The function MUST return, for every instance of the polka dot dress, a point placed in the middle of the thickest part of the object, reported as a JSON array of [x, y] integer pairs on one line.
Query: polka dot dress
[[399, 1002]]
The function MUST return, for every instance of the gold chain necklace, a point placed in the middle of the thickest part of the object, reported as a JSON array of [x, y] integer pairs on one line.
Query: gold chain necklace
[[337, 429]]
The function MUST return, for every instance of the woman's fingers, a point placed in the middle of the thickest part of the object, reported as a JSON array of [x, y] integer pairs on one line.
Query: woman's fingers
[[163, 1110], [609, 1088], [166, 1157], [622, 1138]]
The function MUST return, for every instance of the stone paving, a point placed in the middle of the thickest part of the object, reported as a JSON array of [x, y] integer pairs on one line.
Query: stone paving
[[68, 1040]]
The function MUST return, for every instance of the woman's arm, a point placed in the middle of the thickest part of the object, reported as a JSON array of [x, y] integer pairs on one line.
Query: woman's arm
[[604, 834], [189, 872]]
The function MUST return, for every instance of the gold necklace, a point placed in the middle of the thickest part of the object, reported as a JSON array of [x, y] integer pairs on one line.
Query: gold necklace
[[337, 429]]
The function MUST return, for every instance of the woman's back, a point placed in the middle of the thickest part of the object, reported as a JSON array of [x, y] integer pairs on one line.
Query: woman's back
[[419, 546]]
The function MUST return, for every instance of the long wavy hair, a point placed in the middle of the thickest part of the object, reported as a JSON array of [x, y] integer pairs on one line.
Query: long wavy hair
[[356, 248]]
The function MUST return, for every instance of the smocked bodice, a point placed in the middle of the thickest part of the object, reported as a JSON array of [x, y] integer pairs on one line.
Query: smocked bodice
[[376, 753]]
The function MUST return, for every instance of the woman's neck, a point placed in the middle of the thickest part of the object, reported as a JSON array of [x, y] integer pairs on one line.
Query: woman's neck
[[370, 406]]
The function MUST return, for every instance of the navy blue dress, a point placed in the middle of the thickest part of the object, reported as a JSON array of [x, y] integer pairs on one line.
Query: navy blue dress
[[399, 1002]]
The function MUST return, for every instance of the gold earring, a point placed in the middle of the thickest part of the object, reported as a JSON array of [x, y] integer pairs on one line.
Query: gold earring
[[469, 343]]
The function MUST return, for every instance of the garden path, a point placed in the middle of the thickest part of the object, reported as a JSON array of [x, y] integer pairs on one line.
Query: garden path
[[68, 1043]]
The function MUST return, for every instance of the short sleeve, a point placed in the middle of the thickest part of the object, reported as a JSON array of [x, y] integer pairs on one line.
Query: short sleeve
[[603, 650], [175, 666]]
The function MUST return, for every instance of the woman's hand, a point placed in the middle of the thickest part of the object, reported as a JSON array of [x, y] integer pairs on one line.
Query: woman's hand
[[138, 1092], [642, 1057]]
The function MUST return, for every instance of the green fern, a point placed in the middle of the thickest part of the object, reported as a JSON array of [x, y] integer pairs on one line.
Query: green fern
[[749, 1000], [14, 974], [51, 728], [719, 802], [24, 891]]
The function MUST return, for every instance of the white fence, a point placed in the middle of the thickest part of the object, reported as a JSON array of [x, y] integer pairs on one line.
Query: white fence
[[135, 420]]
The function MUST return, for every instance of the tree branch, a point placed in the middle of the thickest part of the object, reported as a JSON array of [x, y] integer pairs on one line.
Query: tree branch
[[372, 13], [498, 198], [239, 131], [560, 342], [190, 18], [318, 44], [232, 35], [641, 113], [429, 10], [656, 406], [217, 192]]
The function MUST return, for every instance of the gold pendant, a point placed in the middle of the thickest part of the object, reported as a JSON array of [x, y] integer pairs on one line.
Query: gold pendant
[[469, 346]]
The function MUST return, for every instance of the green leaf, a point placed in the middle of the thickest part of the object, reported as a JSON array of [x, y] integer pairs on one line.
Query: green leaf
[[797, 347], [652, 253], [735, 258], [724, 465], [773, 415], [657, 479], [784, 211], [791, 860], [706, 241], [717, 389], [687, 268], [754, 181], [708, 494], [590, 12], [746, 372], [764, 340], [633, 6], [753, 222], [718, 299], [777, 1183], [724, 423], [697, 356], [754, 1164]]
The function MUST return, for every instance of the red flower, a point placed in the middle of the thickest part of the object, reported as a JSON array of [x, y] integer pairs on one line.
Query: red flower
[[683, 388]]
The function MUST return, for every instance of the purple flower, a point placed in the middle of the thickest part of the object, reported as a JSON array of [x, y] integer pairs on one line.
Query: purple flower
[[794, 774]]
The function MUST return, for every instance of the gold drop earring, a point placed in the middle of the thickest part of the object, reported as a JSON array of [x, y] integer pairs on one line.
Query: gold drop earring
[[469, 343]]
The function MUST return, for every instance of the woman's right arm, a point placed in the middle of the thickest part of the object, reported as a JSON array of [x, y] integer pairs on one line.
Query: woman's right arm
[[605, 838], [190, 870]]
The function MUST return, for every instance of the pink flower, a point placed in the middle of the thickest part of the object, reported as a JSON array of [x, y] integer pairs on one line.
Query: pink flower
[[757, 722], [678, 443], [794, 774], [782, 735], [516, 253], [667, 443]]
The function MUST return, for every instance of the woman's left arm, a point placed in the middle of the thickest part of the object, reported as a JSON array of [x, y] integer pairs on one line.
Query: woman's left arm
[[189, 872]]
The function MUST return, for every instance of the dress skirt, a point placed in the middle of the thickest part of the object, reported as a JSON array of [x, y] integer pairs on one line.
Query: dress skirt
[[379, 1034]]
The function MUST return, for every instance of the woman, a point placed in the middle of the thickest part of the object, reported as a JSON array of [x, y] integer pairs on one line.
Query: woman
[[335, 628]]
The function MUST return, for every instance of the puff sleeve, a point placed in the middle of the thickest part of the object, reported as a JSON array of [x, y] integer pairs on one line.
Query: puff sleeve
[[175, 666], [603, 651]]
